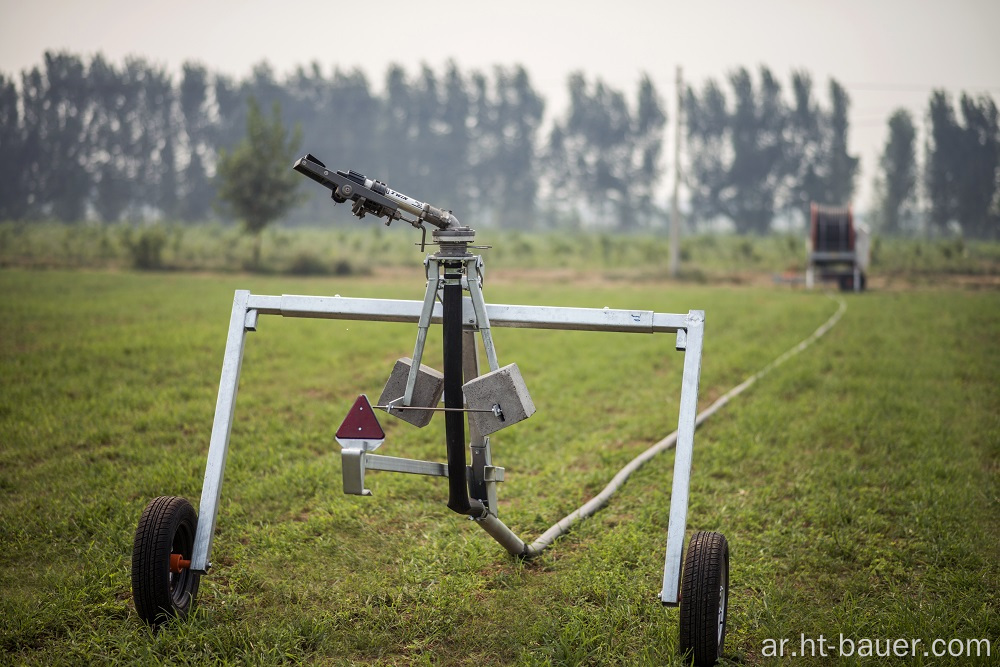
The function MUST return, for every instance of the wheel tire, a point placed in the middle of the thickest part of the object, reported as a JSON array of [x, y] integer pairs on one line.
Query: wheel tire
[[167, 526], [705, 597]]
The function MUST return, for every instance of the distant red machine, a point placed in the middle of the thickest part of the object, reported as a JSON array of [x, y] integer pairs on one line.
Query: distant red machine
[[838, 248]]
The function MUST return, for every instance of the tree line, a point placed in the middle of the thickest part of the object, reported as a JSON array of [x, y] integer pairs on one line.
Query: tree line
[[110, 142], [756, 157], [94, 139], [958, 187]]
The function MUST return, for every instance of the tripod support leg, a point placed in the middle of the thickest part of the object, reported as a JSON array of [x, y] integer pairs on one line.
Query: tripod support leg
[[433, 279], [479, 307]]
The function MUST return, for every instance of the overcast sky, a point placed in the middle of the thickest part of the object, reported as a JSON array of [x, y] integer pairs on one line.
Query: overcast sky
[[887, 53]]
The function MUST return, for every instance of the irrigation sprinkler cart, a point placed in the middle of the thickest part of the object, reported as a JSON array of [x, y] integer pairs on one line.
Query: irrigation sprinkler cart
[[173, 547]]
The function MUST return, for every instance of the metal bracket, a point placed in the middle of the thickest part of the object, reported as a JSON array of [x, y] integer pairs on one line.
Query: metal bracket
[[357, 461], [353, 464]]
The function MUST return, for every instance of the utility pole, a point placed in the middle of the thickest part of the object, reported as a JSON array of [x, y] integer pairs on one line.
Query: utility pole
[[675, 213]]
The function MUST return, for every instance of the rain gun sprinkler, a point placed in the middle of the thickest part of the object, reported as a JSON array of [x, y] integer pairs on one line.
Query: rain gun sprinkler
[[173, 545]]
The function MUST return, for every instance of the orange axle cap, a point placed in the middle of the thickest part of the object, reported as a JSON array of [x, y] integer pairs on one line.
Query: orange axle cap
[[178, 564]]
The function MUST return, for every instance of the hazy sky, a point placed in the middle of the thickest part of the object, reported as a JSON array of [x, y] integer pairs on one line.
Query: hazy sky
[[887, 53]]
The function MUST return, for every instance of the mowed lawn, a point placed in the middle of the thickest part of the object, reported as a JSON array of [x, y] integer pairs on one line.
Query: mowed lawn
[[857, 483]]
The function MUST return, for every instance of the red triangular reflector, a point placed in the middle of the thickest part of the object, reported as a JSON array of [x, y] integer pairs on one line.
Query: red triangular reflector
[[360, 423]]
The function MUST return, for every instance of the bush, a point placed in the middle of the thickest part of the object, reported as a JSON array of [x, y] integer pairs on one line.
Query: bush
[[146, 250], [307, 264]]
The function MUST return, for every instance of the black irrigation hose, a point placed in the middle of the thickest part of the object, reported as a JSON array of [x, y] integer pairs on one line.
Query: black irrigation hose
[[458, 488]]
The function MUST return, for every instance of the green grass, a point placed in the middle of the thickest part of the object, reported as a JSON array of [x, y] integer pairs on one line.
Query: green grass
[[857, 484]]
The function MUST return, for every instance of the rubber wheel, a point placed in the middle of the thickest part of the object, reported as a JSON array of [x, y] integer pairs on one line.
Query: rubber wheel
[[167, 526], [705, 597]]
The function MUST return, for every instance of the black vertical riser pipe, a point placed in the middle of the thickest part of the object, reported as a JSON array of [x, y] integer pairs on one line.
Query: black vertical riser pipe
[[454, 419]]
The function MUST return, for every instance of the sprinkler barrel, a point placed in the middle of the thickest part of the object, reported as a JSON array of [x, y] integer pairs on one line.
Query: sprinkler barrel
[[372, 196]]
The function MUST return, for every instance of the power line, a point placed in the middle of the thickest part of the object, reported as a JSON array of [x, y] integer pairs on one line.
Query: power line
[[916, 87]]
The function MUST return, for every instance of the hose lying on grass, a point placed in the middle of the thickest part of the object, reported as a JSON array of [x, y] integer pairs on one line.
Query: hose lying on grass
[[601, 499]]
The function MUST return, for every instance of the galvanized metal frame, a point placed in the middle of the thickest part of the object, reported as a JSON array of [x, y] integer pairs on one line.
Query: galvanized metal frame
[[477, 316]]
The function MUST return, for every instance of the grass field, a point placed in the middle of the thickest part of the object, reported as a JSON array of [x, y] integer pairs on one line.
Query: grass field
[[858, 484]]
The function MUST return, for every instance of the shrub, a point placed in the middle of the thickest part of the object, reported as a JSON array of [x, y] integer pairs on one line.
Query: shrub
[[306, 263], [146, 250]]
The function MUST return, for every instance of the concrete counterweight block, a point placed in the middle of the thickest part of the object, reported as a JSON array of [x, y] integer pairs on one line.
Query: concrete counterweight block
[[426, 392], [503, 387]]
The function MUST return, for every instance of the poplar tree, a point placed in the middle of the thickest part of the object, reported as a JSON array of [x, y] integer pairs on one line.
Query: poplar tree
[[898, 178], [256, 180]]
